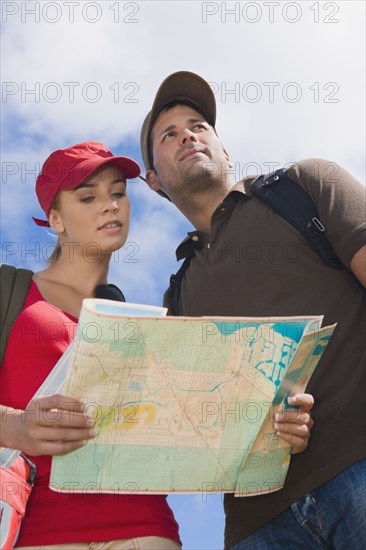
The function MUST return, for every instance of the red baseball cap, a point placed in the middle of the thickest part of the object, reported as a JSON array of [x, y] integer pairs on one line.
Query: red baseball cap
[[68, 168]]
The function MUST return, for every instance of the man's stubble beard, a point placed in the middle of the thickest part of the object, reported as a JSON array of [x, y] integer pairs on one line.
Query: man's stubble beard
[[198, 179], [202, 177]]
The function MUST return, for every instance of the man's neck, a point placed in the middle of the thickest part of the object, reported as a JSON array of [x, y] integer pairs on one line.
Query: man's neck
[[199, 209]]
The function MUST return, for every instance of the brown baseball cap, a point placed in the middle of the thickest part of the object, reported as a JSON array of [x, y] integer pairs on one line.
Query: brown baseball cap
[[182, 85]]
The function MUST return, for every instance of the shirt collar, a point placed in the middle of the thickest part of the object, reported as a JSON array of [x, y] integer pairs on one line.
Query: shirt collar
[[243, 186], [196, 240]]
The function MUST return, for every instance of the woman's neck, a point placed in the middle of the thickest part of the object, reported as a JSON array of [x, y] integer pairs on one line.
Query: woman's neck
[[80, 274]]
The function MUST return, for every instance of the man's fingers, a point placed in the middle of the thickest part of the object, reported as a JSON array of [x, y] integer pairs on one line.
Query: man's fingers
[[298, 430], [298, 444], [293, 425], [303, 400], [296, 416]]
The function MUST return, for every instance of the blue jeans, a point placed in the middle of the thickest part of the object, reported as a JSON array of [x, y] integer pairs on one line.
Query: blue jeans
[[333, 517]]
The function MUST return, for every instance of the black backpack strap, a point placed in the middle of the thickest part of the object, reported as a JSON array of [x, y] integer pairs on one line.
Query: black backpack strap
[[109, 292], [14, 286], [175, 286], [292, 203]]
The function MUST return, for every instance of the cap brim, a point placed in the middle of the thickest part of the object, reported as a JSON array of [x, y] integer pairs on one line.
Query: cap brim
[[182, 85], [127, 166]]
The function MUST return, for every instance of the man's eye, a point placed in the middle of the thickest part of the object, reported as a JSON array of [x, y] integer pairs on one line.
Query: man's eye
[[168, 134], [200, 126]]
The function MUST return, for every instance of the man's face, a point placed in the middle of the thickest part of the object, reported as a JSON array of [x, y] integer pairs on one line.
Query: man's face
[[188, 155]]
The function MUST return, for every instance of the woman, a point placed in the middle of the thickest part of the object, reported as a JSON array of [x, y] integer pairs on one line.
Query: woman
[[82, 190]]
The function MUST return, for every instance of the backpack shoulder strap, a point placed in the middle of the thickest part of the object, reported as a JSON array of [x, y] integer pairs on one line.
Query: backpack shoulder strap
[[14, 286], [175, 286], [292, 203]]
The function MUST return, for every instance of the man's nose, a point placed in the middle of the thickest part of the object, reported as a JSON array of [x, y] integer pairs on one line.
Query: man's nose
[[187, 136]]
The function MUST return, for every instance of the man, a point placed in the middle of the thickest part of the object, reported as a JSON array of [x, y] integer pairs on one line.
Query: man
[[247, 260]]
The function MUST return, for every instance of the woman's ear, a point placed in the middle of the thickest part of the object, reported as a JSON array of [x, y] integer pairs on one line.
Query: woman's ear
[[152, 180], [229, 161], [55, 221]]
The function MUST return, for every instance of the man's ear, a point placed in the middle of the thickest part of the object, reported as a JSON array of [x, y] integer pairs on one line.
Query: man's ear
[[229, 161], [55, 221], [152, 180]]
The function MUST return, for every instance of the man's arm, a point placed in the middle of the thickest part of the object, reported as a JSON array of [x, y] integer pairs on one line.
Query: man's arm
[[50, 425], [358, 265]]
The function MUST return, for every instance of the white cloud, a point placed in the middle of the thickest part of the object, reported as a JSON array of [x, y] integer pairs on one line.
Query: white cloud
[[122, 64]]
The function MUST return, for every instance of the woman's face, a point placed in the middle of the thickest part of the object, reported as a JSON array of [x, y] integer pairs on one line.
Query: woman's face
[[93, 219]]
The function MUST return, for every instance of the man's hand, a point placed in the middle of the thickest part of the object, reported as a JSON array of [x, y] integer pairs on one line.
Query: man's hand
[[50, 425], [294, 425]]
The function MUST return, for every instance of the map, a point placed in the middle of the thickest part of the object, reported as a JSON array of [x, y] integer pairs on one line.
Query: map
[[183, 404]]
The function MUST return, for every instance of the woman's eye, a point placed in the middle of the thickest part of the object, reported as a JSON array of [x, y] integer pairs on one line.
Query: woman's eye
[[199, 126], [119, 194], [87, 199]]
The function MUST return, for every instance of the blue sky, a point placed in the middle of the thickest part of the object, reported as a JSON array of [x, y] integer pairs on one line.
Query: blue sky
[[289, 82]]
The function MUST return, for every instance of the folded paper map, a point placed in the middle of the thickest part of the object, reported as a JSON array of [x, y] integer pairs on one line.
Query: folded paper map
[[183, 404]]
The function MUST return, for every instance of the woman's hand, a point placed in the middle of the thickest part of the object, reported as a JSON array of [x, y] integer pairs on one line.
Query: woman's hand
[[50, 425]]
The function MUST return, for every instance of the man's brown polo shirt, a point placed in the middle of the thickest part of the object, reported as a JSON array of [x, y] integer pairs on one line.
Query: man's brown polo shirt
[[254, 263]]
